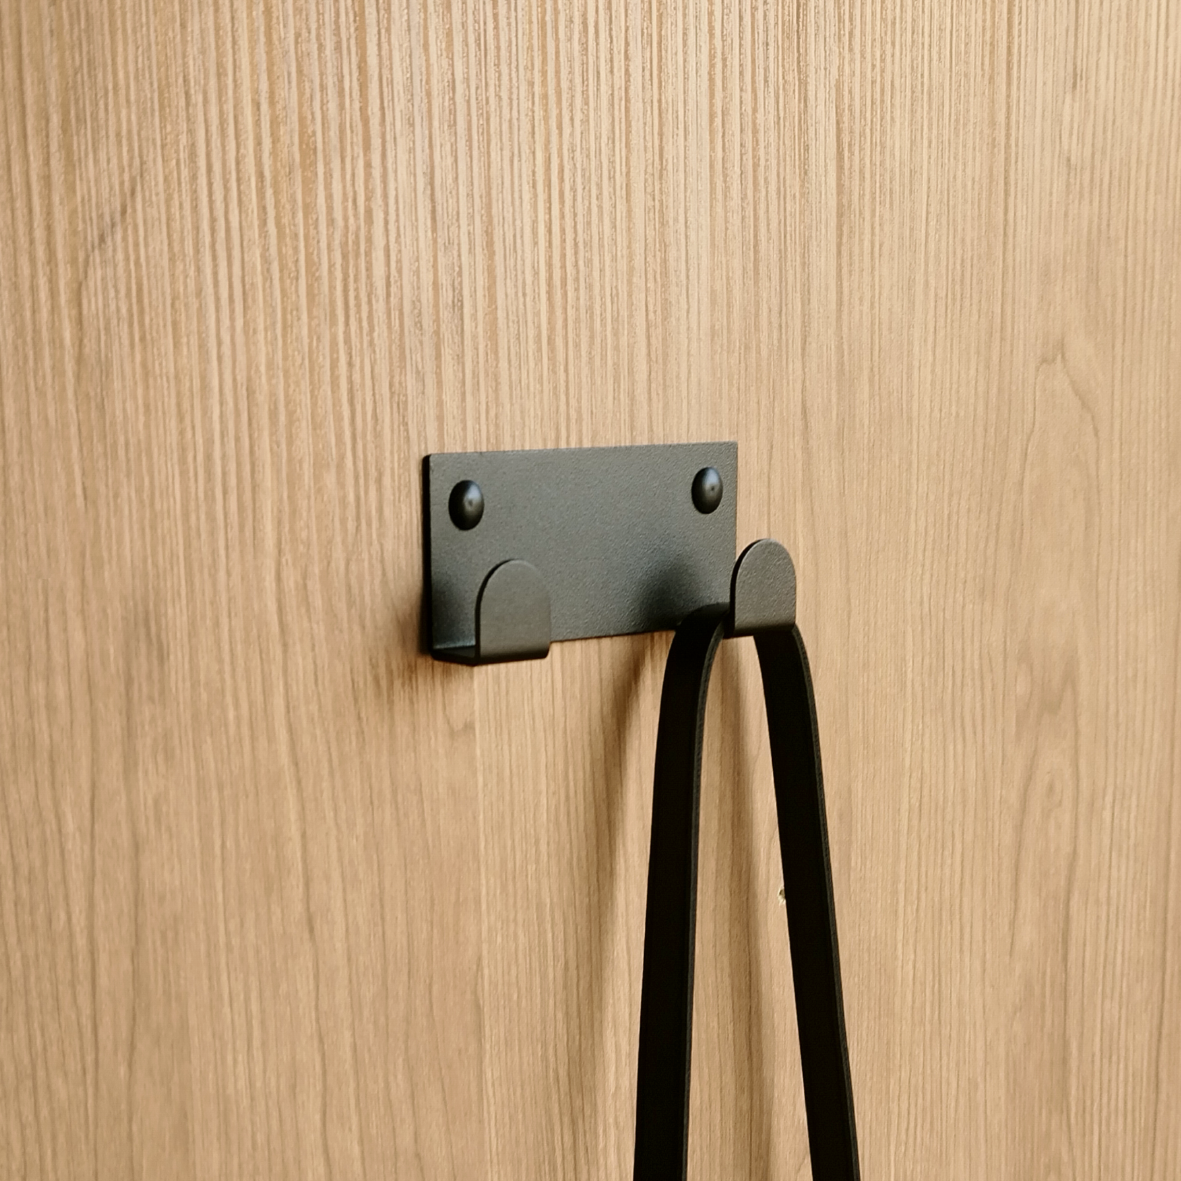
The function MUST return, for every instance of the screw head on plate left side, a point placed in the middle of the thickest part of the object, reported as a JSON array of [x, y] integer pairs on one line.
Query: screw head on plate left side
[[466, 505]]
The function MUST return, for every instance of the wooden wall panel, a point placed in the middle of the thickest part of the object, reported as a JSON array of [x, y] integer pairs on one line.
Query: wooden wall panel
[[279, 897]]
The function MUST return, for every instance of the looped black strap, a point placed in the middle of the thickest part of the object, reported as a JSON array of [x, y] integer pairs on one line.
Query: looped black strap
[[666, 1003]]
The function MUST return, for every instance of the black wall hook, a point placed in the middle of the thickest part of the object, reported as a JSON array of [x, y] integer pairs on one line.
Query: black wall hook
[[522, 548], [623, 539]]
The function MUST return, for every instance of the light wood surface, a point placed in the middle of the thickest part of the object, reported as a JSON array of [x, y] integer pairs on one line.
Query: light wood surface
[[280, 897]]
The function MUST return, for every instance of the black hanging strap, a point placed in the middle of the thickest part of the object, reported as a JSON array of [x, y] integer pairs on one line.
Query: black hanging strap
[[666, 1004]]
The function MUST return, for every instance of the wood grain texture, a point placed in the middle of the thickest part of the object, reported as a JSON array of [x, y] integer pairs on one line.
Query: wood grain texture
[[279, 897]]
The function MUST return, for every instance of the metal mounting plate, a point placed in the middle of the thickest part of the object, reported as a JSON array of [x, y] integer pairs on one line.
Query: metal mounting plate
[[613, 532]]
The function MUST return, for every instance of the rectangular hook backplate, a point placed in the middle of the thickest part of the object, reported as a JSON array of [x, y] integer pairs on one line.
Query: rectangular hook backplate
[[613, 532]]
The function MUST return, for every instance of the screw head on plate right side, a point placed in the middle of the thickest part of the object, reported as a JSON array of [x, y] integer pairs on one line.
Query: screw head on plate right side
[[707, 490]]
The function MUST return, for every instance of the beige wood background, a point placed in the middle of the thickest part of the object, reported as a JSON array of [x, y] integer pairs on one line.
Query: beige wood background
[[280, 897]]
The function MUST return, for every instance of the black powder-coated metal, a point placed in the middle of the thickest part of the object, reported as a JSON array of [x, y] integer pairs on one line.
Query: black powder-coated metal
[[613, 533], [465, 505], [523, 548], [512, 615], [707, 490]]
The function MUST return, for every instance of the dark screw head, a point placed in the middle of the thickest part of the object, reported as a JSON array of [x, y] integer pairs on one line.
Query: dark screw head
[[707, 490], [466, 504]]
